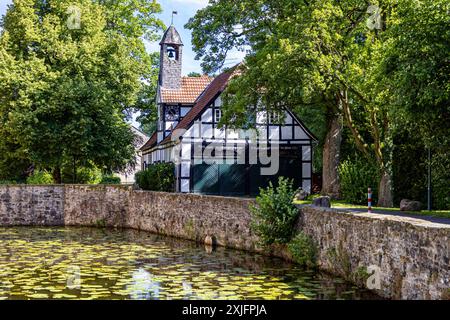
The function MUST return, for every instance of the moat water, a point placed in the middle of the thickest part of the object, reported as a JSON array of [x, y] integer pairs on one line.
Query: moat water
[[88, 263]]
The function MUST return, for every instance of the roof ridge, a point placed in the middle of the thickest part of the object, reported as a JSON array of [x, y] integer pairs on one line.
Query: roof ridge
[[211, 92], [200, 77]]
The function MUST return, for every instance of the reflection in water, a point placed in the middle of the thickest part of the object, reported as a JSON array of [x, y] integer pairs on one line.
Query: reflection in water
[[137, 265], [144, 286]]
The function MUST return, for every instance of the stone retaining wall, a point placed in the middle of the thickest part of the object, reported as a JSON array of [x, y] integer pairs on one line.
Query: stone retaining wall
[[412, 255], [31, 205]]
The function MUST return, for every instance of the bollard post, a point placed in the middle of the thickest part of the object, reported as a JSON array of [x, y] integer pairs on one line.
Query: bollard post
[[369, 200]]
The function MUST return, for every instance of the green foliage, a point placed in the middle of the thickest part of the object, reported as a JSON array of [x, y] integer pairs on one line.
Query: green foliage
[[360, 276], [110, 179], [274, 214], [410, 168], [13, 160], [356, 177], [370, 76], [303, 250], [4, 182], [101, 223], [340, 260], [157, 177], [194, 74], [417, 70], [146, 103], [440, 165], [65, 92], [40, 177], [84, 175]]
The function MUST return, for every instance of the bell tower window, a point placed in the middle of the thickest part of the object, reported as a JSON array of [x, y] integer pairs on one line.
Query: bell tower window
[[172, 53]]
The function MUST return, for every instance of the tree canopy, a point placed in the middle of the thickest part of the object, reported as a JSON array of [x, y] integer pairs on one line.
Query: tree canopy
[[354, 59], [66, 89]]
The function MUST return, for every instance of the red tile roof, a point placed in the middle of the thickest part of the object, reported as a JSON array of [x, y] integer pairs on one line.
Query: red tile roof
[[191, 88], [212, 91], [202, 100], [150, 143]]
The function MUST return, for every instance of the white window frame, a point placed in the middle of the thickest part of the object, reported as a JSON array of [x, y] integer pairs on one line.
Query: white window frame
[[217, 115], [274, 118]]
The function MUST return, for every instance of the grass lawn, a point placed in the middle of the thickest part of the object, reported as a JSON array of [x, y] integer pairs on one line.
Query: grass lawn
[[343, 204]]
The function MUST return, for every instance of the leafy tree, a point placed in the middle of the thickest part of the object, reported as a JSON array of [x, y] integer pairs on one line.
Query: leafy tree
[[67, 89], [416, 69], [325, 54], [194, 74], [146, 102], [300, 54]]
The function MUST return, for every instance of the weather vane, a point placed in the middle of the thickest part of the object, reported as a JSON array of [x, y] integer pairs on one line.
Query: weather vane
[[174, 13]]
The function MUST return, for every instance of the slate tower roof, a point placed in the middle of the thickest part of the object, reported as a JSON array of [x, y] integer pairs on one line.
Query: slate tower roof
[[171, 36]]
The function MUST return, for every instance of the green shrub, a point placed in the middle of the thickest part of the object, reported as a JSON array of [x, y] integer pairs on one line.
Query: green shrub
[[141, 179], [410, 169], [40, 177], [157, 177], [84, 175], [110, 179], [303, 250], [440, 165], [275, 214], [7, 182], [356, 176]]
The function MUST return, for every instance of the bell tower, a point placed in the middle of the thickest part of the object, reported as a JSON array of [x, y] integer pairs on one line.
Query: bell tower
[[171, 59]]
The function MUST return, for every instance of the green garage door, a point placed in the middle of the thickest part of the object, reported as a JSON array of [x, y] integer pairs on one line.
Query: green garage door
[[223, 179], [289, 168], [232, 179], [240, 180], [205, 178]]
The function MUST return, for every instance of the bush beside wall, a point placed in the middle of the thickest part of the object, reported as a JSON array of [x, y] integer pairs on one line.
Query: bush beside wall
[[274, 214], [157, 177], [356, 177], [40, 177], [110, 179]]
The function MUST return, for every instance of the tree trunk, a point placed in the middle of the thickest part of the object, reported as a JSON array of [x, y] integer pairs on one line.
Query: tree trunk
[[385, 198], [57, 175], [331, 157]]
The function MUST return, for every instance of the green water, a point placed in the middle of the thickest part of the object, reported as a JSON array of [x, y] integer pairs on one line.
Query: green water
[[85, 263]]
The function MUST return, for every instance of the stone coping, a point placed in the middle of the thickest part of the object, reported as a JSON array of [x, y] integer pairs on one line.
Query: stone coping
[[416, 221]]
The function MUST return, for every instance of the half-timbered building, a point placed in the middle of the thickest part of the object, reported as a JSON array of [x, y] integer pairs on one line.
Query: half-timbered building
[[209, 158]]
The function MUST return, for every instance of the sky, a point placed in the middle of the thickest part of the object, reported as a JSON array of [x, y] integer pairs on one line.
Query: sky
[[185, 9]]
